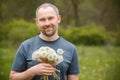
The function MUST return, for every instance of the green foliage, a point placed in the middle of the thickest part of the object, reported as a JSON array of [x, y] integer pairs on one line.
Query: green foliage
[[87, 35], [118, 42], [1, 31], [114, 36], [19, 30], [3, 35]]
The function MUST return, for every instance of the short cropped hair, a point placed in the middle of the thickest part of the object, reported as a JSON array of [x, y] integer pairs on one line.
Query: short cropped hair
[[45, 5]]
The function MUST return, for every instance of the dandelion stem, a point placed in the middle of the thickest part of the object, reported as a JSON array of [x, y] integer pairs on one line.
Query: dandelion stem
[[57, 70], [55, 76]]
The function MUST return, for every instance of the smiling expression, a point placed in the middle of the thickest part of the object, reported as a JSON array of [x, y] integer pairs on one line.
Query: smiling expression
[[47, 20]]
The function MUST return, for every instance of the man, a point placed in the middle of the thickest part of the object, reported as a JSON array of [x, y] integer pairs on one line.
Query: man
[[24, 68]]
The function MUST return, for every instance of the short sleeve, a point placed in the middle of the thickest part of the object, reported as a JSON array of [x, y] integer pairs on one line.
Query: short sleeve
[[74, 65], [19, 63]]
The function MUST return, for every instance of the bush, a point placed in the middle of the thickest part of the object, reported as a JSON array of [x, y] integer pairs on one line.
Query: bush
[[86, 35], [19, 30], [3, 35], [2, 32], [117, 39]]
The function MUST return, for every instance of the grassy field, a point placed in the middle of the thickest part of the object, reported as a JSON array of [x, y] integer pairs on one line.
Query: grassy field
[[96, 63]]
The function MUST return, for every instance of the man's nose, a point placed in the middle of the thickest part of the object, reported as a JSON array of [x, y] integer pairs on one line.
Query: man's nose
[[47, 22]]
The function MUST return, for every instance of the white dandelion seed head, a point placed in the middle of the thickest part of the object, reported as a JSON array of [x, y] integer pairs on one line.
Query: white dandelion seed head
[[50, 57], [47, 48], [35, 55], [43, 54], [40, 55], [60, 51], [59, 59], [52, 51], [42, 48], [55, 55]]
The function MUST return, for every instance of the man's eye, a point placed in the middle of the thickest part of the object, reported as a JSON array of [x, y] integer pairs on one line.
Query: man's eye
[[50, 18], [41, 19]]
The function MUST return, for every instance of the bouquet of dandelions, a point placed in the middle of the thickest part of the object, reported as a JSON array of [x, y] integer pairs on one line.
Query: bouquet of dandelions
[[48, 55]]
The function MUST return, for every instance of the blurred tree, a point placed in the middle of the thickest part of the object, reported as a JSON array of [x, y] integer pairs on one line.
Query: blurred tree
[[110, 17], [1, 3], [109, 13], [76, 4], [0, 10], [74, 12], [66, 12], [16, 9]]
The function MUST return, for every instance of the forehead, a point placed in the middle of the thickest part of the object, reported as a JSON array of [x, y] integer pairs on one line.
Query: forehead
[[46, 11]]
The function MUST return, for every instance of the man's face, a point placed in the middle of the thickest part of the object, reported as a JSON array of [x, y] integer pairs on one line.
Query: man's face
[[47, 20]]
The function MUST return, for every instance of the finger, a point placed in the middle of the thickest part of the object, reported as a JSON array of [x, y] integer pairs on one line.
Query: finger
[[47, 73], [53, 64], [48, 70], [47, 65]]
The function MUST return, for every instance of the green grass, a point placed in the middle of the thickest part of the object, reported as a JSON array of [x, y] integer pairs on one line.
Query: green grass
[[6, 59], [96, 63], [99, 63]]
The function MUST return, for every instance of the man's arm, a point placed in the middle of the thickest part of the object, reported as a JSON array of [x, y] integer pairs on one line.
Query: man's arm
[[73, 77], [40, 69], [26, 75]]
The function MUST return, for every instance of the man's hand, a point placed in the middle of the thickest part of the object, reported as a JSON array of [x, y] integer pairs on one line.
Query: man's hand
[[43, 69]]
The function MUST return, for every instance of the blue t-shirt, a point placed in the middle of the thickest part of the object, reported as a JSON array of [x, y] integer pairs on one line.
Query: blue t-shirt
[[69, 65]]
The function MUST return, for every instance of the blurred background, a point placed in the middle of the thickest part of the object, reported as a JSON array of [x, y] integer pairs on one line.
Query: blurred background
[[92, 25]]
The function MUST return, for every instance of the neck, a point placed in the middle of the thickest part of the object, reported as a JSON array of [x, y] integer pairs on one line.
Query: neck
[[46, 38]]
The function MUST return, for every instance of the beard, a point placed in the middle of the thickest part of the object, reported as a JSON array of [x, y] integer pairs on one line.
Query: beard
[[49, 33]]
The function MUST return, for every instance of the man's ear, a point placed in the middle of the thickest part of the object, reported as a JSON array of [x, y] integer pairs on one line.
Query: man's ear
[[59, 19], [36, 21]]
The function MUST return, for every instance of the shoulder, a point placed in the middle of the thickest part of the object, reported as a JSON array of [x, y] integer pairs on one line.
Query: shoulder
[[29, 41], [67, 43]]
